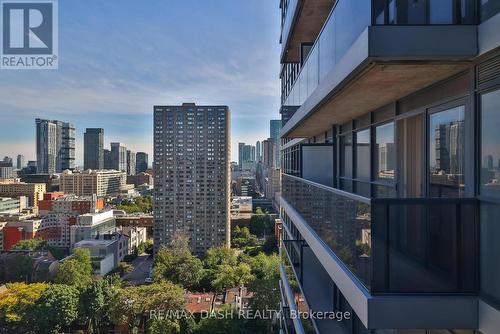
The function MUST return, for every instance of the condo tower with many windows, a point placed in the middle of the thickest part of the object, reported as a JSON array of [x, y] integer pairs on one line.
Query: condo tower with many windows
[[390, 194], [191, 175]]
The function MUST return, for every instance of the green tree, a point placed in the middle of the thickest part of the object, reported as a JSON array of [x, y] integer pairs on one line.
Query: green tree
[[39, 244], [76, 270], [241, 237], [232, 276], [16, 268], [136, 306], [270, 244], [56, 309], [95, 304], [124, 268], [16, 303], [30, 244], [261, 224], [176, 264], [265, 266], [145, 247], [265, 290]]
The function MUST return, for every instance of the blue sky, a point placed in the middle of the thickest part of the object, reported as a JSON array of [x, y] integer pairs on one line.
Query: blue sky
[[118, 58]]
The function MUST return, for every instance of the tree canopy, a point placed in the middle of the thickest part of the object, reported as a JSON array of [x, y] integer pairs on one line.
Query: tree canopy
[[76, 270]]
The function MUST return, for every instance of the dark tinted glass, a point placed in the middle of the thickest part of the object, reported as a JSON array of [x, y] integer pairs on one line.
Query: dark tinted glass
[[446, 153], [489, 8], [384, 152], [490, 147], [346, 155], [363, 155]]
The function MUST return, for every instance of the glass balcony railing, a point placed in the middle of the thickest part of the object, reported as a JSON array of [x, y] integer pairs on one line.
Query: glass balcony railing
[[346, 22], [348, 19], [299, 301], [290, 6], [425, 245], [341, 220]]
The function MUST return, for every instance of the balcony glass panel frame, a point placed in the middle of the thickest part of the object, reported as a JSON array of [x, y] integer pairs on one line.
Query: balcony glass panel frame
[[399, 245]]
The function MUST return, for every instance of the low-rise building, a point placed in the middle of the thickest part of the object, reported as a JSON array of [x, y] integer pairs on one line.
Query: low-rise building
[[140, 179], [245, 186], [135, 234], [90, 182], [59, 211], [241, 208], [106, 252], [51, 180], [14, 188], [92, 226], [17, 229], [12, 205], [136, 219]]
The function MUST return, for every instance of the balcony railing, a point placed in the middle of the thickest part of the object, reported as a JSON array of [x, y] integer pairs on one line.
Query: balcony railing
[[299, 302], [393, 245], [340, 219], [348, 19], [346, 22]]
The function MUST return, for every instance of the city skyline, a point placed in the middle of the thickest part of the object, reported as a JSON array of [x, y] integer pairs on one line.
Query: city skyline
[[91, 89]]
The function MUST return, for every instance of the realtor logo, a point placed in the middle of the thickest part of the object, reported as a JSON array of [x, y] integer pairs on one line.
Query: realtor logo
[[29, 37]]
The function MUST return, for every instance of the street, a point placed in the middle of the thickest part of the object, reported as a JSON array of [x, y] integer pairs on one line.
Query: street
[[141, 270]]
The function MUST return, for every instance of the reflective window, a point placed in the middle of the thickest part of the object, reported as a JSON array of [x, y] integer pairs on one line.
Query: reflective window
[[490, 143], [441, 11], [363, 155], [490, 252], [384, 152], [346, 155], [489, 8], [446, 153]]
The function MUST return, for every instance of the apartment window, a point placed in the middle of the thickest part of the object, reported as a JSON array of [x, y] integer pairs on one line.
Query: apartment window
[[446, 153], [345, 171], [384, 152], [490, 149], [384, 161], [362, 186]]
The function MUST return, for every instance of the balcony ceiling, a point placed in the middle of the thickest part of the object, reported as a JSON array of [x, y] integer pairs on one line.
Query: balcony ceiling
[[311, 16], [374, 87]]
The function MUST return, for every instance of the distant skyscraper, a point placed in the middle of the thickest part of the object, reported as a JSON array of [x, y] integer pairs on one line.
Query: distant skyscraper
[[6, 170], [7, 159], [131, 159], [258, 154], [108, 163], [240, 154], [141, 162], [55, 146], [448, 154], [274, 133], [268, 156], [191, 167], [21, 161], [252, 153], [93, 149], [118, 157]]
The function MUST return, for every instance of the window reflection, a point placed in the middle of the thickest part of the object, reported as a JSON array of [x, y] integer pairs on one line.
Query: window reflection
[[384, 152], [363, 155], [441, 11], [490, 139], [346, 156], [446, 153], [489, 8]]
